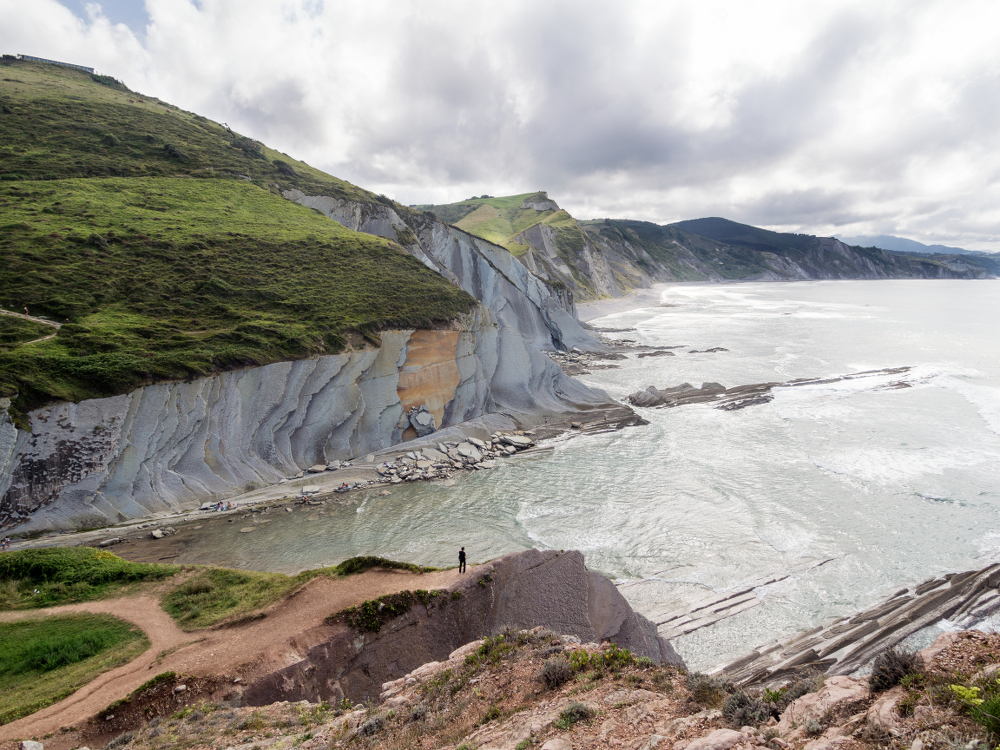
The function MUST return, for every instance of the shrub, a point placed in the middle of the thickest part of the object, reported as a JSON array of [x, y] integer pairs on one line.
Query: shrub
[[708, 691], [890, 667], [555, 672], [742, 709], [572, 714], [373, 725]]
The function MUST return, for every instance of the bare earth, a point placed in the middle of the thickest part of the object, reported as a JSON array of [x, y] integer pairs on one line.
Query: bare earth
[[290, 628]]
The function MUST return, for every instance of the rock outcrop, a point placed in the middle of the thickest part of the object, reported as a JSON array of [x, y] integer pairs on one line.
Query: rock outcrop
[[542, 312], [173, 446], [518, 591]]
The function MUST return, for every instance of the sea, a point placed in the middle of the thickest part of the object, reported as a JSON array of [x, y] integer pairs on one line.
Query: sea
[[824, 500]]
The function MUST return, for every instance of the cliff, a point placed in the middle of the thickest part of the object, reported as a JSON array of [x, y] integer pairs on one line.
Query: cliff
[[608, 257], [542, 311], [170, 446], [527, 589]]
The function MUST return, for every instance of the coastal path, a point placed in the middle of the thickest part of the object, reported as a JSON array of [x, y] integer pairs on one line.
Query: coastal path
[[289, 629]]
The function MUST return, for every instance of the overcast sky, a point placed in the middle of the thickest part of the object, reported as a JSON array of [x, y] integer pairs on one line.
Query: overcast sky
[[827, 116]]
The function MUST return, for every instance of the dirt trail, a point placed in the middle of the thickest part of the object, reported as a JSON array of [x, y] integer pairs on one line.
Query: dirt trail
[[33, 319], [290, 628]]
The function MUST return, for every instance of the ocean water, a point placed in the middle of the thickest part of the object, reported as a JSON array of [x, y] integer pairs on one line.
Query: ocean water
[[845, 491]]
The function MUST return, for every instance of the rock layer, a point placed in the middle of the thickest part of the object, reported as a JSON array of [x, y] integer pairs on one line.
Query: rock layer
[[518, 591], [173, 446], [542, 312]]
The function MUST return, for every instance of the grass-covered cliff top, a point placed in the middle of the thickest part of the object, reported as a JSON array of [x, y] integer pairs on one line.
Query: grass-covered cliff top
[[163, 266]]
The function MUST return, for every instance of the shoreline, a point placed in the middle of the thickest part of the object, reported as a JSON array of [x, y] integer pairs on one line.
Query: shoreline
[[179, 527]]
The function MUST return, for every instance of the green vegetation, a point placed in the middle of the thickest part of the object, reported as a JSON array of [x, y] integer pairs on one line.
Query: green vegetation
[[573, 713], [161, 276], [223, 596], [44, 660], [354, 565], [216, 595], [371, 615], [59, 575], [16, 331]]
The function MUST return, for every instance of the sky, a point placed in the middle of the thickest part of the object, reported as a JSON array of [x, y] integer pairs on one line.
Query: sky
[[826, 117]]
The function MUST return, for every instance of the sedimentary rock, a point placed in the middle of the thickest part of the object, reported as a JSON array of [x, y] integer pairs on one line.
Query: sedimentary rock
[[170, 446], [519, 591], [543, 314]]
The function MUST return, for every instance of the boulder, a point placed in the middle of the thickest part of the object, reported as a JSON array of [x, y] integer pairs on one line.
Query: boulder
[[432, 455], [424, 464], [558, 743], [720, 739], [422, 421], [31, 745], [478, 443], [112, 541], [470, 452], [518, 441], [317, 468], [837, 691], [883, 711], [156, 534], [333, 465]]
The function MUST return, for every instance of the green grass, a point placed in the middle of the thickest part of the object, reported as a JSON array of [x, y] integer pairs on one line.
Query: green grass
[[45, 660], [214, 596], [16, 331], [169, 267], [62, 575], [59, 122], [167, 278]]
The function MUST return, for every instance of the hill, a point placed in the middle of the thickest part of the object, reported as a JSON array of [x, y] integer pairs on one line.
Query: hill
[[903, 245], [163, 244], [608, 257]]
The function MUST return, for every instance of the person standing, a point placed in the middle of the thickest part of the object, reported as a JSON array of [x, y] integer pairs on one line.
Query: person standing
[[461, 560]]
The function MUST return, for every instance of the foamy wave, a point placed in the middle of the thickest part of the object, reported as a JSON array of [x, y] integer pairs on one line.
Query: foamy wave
[[892, 466], [985, 399]]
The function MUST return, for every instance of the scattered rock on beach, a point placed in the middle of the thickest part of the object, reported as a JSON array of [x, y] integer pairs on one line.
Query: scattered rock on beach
[[657, 353]]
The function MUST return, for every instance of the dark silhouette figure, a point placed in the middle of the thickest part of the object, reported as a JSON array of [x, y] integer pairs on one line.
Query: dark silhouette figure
[[461, 560]]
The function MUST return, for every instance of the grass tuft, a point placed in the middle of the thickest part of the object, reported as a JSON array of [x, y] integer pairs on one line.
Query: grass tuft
[[49, 576], [45, 660]]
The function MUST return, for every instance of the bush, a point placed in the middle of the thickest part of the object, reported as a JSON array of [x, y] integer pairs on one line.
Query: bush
[[555, 672], [572, 714], [742, 710], [890, 667], [373, 725], [708, 691]]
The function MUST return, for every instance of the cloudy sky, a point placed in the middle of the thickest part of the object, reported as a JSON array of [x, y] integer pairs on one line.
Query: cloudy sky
[[828, 117]]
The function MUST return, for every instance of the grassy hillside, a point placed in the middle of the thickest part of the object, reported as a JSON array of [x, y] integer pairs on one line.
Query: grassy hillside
[[162, 243], [499, 220], [744, 235]]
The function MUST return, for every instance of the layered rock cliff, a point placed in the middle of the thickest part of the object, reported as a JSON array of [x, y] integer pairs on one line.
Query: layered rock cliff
[[608, 258], [522, 590], [173, 445], [542, 311]]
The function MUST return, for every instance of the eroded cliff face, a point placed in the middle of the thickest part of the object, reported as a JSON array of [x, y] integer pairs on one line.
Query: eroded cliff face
[[172, 446], [542, 311], [517, 591]]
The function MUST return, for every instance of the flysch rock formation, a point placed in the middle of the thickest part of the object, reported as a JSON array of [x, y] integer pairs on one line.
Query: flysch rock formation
[[518, 591], [172, 446], [848, 643], [544, 314], [742, 396]]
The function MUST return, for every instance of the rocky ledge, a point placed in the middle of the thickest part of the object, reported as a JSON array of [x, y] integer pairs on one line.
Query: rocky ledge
[[540, 689], [742, 396]]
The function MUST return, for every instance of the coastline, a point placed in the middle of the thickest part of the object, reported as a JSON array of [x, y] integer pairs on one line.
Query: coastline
[[637, 298]]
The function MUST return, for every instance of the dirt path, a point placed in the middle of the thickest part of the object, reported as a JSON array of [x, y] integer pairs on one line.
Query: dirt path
[[33, 319], [290, 628]]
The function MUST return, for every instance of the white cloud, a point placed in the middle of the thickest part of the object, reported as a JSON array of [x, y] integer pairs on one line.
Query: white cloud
[[848, 117]]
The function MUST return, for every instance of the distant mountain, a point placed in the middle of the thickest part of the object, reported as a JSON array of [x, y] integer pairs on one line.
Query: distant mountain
[[608, 257], [903, 245]]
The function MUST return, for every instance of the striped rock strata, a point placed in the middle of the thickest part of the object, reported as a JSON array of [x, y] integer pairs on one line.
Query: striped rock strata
[[171, 446]]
